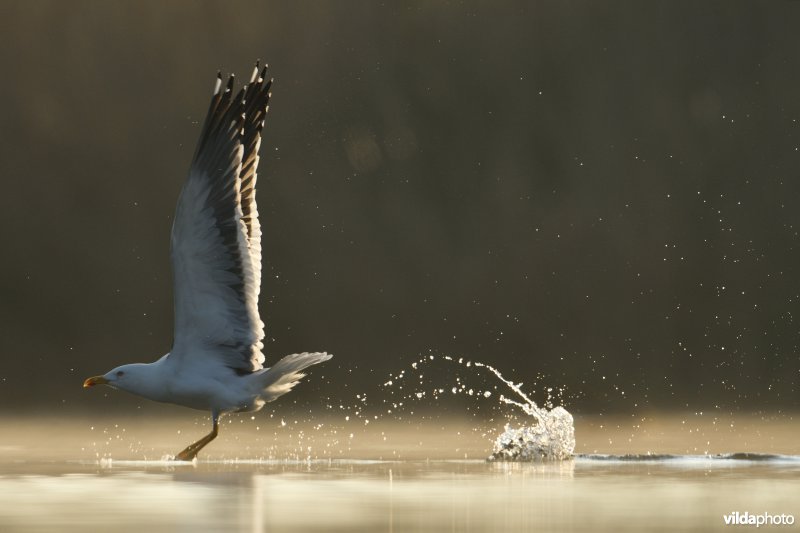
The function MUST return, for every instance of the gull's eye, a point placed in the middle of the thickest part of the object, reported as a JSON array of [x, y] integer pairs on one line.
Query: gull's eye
[[120, 373]]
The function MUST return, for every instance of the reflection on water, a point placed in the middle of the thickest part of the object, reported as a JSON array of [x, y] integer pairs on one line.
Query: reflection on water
[[71, 484], [581, 495]]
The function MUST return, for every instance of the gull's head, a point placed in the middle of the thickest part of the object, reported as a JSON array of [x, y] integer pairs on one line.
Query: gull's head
[[125, 377]]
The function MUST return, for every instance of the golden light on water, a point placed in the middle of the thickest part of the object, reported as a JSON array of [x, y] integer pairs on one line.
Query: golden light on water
[[328, 475]]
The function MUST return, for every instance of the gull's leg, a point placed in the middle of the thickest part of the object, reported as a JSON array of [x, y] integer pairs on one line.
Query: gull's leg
[[191, 451]]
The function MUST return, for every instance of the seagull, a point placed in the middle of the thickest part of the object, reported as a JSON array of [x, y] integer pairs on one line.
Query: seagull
[[216, 363]]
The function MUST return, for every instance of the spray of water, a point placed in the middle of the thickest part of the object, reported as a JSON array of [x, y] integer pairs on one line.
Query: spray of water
[[549, 436], [551, 439]]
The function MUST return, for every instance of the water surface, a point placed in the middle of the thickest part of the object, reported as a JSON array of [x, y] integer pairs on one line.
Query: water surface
[[382, 478]]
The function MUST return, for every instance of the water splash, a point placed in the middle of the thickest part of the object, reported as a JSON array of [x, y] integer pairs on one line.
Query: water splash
[[551, 439], [551, 436]]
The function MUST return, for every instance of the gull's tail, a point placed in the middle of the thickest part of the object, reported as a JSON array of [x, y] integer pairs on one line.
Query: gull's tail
[[283, 375]]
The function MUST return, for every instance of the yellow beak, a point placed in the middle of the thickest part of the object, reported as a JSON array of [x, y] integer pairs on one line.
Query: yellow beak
[[94, 380]]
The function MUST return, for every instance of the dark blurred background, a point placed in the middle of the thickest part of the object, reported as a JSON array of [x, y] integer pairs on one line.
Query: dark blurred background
[[597, 197]]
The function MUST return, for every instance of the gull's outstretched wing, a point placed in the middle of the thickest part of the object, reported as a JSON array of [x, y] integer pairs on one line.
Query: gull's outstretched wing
[[216, 238], [256, 100]]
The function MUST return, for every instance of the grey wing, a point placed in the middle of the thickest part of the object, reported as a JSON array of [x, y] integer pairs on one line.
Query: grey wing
[[215, 233]]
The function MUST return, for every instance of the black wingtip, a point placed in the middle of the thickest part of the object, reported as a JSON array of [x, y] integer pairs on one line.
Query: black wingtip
[[255, 71], [229, 86]]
